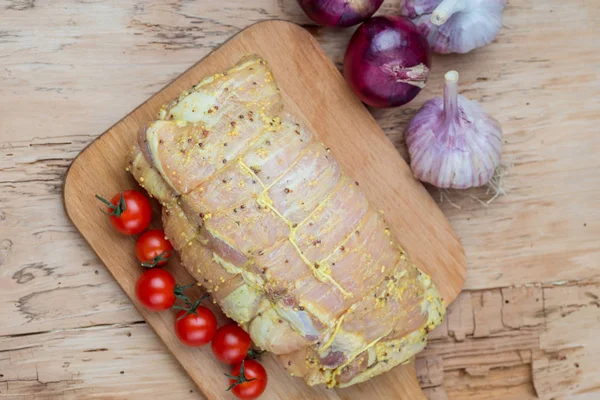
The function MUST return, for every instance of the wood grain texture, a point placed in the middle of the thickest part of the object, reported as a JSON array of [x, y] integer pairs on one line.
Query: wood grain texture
[[314, 91], [70, 69]]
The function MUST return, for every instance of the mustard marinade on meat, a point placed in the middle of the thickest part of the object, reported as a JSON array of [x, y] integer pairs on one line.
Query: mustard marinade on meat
[[265, 219]]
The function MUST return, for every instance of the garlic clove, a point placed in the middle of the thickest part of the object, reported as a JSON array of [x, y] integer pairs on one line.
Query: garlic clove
[[452, 142], [456, 26]]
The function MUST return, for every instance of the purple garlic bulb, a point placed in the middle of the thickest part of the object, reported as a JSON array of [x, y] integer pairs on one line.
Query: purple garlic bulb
[[456, 26], [452, 142]]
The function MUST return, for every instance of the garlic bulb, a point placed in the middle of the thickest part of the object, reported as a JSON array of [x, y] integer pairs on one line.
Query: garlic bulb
[[456, 26], [452, 142]]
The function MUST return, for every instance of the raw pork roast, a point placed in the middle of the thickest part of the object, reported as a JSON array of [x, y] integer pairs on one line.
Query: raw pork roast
[[265, 219]]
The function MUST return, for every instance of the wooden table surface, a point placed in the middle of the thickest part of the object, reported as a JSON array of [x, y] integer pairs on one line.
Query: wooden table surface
[[525, 325]]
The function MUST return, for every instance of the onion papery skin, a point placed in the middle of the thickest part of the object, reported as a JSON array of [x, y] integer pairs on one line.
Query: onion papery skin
[[340, 13], [387, 61]]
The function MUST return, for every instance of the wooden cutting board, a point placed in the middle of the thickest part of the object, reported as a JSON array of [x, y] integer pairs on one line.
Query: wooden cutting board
[[313, 90]]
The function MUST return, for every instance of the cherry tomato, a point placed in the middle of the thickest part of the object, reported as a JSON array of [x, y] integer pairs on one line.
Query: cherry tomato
[[249, 380], [230, 344], [155, 289], [129, 212], [153, 249], [195, 328]]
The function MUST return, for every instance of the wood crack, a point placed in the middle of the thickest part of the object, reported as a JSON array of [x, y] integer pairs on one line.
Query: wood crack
[[81, 328]]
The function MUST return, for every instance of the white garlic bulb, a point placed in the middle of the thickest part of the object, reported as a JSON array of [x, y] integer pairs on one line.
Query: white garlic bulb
[[452, 142], [456, 26]]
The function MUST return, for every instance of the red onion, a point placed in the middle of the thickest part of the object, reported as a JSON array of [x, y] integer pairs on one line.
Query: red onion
[[342, 13], [387, 61]]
